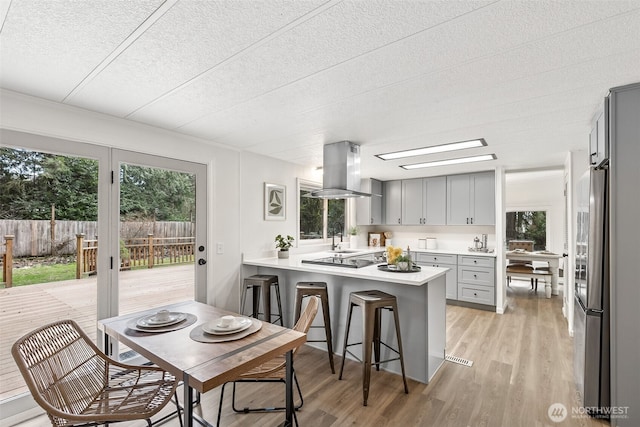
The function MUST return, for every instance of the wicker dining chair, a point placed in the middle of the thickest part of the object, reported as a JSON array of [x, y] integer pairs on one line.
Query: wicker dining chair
[[275, 369], [76, 384]]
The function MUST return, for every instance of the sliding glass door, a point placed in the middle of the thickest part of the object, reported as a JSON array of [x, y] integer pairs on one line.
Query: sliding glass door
[[52, 193]]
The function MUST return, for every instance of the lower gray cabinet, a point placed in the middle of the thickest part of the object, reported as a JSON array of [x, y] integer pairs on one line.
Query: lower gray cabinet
[[445, 261], [476, 279]]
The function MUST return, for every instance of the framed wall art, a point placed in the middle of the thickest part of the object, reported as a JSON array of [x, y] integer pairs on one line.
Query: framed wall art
[[374, 240], [275, 203]]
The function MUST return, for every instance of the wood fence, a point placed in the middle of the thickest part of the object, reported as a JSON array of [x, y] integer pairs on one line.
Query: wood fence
[[34, 237]]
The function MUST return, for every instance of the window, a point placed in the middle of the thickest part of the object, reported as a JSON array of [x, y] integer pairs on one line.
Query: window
[[319, 219], [528, 225]]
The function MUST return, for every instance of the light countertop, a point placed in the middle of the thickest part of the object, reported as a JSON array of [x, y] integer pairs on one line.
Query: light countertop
[[371, 272]]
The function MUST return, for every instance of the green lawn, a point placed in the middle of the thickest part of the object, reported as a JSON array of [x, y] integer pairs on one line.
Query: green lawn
[[43, 273], [53, 273]]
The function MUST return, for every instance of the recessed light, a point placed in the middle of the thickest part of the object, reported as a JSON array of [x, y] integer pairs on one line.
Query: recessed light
[[434, 149], [471, 159]]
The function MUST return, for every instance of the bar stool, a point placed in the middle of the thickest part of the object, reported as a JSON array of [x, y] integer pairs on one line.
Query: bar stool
[[261, 284], [372, 303], [307, 289]]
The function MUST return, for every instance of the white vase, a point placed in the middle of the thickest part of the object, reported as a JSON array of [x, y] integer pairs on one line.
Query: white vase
[[353, 242], [283, 253]]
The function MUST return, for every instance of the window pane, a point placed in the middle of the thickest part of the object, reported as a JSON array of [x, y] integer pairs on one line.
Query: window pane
[[310, 216], [528, 225], [336, 217]]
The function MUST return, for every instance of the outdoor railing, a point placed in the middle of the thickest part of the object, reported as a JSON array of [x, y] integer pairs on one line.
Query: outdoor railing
[[7, 261], [138, 252]]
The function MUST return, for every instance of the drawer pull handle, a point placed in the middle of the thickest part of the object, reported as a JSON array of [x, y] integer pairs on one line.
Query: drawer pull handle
[[475, 276]]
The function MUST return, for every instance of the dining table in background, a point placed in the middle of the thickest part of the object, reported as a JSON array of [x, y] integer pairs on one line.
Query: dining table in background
[[552, 259], [203, 366]]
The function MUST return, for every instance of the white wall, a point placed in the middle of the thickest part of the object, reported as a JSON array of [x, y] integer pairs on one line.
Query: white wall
[[449, 237], [257, 234]]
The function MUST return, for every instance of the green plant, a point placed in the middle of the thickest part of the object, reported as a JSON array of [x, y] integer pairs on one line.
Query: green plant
[[403, 258], [353, 231], [124, 252], [284, 243]]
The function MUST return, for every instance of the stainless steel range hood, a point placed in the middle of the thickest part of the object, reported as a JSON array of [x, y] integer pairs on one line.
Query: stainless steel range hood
[[341, 172]]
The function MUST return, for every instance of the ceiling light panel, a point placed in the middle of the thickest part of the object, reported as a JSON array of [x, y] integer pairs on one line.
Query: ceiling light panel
[[448, 162], [433, 149]]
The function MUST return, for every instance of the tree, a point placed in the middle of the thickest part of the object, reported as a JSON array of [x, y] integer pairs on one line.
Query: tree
[[156, 194], [31, 182]]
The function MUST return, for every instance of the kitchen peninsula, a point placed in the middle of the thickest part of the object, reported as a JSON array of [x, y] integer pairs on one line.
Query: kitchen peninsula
[[421, 306]]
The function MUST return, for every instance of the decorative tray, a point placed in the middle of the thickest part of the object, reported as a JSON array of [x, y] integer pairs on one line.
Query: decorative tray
[[393, 269]]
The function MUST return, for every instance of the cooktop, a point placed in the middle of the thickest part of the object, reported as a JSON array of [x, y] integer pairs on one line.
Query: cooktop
[[340, 262]]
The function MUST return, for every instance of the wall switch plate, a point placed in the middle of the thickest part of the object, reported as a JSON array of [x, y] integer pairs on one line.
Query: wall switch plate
[[219, 248]]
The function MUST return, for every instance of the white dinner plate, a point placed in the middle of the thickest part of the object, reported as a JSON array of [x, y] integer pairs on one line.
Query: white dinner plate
[[150, 321], [240, 325]]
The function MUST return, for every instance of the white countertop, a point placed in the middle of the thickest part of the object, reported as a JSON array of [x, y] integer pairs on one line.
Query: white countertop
[[370, 272]]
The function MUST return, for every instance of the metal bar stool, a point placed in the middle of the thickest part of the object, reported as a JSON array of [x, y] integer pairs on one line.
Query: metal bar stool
[[307, 289], [261, 284], [372, 303]]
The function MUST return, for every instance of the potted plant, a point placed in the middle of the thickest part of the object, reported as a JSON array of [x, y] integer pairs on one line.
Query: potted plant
[[403, 262], [353, 237], [283, 244]]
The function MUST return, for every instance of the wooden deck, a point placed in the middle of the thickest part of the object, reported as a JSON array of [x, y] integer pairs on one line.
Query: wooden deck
[[25, 308]]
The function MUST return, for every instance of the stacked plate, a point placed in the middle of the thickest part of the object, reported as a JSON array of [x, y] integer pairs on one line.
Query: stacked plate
[[227, 325], [161, 319]]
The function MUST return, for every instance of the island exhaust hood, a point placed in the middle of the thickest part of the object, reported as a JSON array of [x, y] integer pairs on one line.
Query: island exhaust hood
[[341, 172]]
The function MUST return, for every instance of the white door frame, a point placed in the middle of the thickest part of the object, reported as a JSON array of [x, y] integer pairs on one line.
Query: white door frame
[[110, 295]]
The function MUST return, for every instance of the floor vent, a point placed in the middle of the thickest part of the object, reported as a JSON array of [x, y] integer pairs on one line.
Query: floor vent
[[459, 360]]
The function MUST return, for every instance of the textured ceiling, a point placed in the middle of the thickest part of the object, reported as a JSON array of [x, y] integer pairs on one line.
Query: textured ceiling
[[283, 77]]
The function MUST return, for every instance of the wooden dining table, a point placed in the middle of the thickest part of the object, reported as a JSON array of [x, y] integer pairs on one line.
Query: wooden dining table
[[552, 260], [204, 365]]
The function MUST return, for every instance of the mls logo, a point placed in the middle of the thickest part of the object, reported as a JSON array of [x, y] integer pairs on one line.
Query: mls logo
[[557, 412]]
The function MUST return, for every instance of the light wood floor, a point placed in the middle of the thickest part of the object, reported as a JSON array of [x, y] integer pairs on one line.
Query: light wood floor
[[522, 365]]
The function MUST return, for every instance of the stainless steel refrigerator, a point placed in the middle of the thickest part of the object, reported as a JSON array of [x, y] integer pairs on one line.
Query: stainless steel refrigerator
[[591, 308]]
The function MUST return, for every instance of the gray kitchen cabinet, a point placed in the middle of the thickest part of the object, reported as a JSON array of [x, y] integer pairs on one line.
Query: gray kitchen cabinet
[[435, 201], [392, 202], [424, 201], [476, 279], [369, 209], [445, 261], [471, 199], [598, 147], [412, 195]]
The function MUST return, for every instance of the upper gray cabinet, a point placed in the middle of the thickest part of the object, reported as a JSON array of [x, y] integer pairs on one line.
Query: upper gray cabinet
[[424, 201], [598, 148], [369, 209], [471, 199], [392, 202]]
